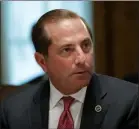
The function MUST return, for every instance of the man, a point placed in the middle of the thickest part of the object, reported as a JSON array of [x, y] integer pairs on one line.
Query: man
[[74, 96]]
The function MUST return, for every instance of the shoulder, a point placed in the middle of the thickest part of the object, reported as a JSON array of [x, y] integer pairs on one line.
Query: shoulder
[[117, 87], [23, 95], [117, 83]]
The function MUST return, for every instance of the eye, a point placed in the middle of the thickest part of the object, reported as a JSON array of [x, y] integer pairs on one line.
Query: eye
[[86, 46], [68, 49]]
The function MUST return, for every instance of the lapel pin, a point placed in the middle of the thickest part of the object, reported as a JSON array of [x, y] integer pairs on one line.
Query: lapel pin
[[98, 108]]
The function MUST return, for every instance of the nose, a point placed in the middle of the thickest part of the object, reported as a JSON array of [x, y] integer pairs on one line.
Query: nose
[[80, 57]]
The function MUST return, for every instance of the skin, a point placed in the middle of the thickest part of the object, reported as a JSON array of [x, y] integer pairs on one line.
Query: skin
[[69, 64]]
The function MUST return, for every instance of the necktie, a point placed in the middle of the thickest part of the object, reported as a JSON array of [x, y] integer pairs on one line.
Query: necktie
[[66, 120]]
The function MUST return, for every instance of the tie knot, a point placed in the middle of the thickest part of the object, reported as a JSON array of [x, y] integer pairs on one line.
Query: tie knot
[[67, 102]]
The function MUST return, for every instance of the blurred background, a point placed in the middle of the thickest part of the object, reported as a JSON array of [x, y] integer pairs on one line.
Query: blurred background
[[115, 27]]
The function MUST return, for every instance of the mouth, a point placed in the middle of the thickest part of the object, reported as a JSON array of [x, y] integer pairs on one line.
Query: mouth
[[81, 72]]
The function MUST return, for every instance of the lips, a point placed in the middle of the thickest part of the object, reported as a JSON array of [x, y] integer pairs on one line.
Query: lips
[[81, 72]]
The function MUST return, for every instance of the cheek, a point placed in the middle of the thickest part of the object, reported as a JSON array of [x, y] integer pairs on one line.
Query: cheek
[[89, 58], [65, 64], [60, 65]]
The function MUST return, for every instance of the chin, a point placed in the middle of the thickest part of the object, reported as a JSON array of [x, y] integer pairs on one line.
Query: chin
[[82, 83], [80, 80]]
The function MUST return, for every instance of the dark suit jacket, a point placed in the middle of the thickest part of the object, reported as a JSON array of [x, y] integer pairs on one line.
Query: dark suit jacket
[[29, 108]]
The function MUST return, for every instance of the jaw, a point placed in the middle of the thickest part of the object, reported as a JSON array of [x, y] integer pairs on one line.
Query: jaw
[[78, 81]]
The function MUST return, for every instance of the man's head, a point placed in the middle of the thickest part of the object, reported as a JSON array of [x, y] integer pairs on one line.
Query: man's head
[[64, 49]]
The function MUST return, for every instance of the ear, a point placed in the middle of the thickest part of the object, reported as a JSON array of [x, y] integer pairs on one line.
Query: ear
[[41, 61]]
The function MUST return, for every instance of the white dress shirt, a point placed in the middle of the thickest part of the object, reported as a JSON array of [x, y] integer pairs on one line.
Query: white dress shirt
[[56, 107]]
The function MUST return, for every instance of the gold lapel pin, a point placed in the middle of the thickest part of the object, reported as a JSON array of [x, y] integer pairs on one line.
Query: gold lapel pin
[[98, 108]]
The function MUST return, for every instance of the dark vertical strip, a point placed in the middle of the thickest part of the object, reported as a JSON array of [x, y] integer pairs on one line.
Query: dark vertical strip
[[0, 46], [109, 37], [138, 43]]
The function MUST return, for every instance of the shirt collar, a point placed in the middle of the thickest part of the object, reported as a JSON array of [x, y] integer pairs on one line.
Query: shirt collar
[[55, 95]]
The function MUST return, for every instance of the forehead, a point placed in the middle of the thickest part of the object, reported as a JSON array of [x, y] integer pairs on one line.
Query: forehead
[[68, 29]]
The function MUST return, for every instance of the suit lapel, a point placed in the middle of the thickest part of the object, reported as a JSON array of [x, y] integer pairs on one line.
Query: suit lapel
[[94, 109], [40, 108]]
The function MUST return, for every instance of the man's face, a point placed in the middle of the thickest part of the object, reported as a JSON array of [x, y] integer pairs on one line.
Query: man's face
[[70, 56]]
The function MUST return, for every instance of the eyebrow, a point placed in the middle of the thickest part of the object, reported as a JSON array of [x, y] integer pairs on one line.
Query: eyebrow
[[86, 39], [67, 45]]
